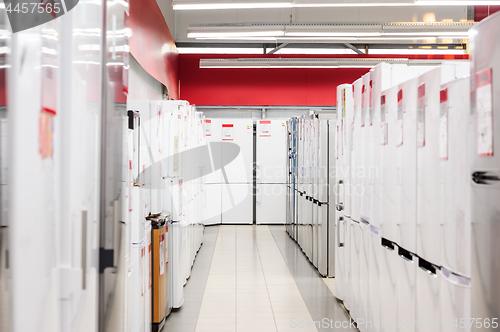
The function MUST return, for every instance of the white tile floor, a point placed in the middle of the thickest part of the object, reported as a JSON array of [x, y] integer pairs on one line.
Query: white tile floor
[[249, 286]]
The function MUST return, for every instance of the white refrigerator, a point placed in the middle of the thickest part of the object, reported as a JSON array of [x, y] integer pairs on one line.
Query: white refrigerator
[[271, 171]]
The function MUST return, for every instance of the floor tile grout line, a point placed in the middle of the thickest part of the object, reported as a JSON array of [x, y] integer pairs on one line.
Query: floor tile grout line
[[265, 280], [208, 277], [288, 267]]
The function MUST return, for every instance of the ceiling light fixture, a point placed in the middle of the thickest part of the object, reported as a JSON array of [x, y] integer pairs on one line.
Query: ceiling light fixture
[[314, 63], [245, 4]]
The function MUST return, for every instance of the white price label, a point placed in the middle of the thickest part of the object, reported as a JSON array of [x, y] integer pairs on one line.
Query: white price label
[[421, 116], [443, 126], [265, 128], [208, 128], [484, 108], [227, 132], [162, 254], [399, 121]]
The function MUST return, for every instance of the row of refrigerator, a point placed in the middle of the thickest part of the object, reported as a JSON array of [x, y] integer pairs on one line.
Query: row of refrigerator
[[310, 183], [402, 208], [100, 205], [249, 179], [165, 193], [416, 210]]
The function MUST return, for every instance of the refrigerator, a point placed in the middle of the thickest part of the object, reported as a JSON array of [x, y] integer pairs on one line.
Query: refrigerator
[[455, 258], [485, 170], [345, 104], [271, 171], [431, 123], [354, 193], [212, 205], [237, 175], [324, 227]]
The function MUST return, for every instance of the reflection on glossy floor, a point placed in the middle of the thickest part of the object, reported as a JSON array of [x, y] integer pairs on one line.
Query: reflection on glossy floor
[[254, 278]]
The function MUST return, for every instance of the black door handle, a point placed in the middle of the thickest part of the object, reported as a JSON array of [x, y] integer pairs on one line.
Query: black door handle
[[482, 177]]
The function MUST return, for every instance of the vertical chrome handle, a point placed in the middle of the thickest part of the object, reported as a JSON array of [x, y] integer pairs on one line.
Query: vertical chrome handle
[[341, 221], [339, 205]]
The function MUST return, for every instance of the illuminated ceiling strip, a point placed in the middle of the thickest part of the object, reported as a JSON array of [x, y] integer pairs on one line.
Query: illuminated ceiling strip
[[314, 63], [187, 5]]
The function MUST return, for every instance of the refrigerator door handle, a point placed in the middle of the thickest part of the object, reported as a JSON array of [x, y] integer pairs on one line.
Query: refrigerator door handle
[[340, 205], [483, 177], [341, 221]]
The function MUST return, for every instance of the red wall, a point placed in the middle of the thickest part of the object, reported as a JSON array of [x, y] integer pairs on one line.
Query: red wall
[[482, 11], [263, 87], [152, 44]]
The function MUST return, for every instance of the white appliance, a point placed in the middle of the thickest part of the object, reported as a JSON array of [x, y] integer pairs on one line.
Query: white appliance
[[429, 155], [212, 206], [485, 168], [455, 258], [428, 228], [389, 286], [346, 104], [237, 176], [271, 171]]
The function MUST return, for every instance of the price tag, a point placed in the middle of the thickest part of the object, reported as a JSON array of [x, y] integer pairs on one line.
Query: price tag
[[370, 116], [443, 125], [399, 121], [208, 128], [383, 122], [421, 116], [265, 128], [227, 132], [363, 106], [162, 254], [484, 108]]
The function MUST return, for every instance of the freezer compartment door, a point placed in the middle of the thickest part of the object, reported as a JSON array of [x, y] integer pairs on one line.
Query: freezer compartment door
[[455, 301], [212, 205], [389, 278], [406, 266], [271, 203], [323, 239], [428, 306], [376, 261], [340, 257], [237, 204]]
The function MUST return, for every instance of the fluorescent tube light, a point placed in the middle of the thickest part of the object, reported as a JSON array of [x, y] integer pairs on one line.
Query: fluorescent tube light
[[235, 34], [191, 5], [331, 34], [232, 5]]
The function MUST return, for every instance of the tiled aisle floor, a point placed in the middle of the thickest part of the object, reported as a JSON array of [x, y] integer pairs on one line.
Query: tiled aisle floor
[[247, 278]]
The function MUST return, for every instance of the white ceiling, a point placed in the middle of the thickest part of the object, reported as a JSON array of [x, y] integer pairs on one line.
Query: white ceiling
[[178, 21]]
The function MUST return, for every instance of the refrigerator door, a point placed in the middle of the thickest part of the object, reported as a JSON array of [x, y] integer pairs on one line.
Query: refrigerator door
[[270, 159], [428, 289], [353, 268], [347, 137], [240, 132], [271, 203], [237, 204], [355, 187], [485, 169], [455, 183], [213, 134], [212, 207], [406, 141], [340, 257], [364, 274], [375, 264], [330, 176], [366, 125], [456, 298], [390, 172], [406, 270], [389, 286]]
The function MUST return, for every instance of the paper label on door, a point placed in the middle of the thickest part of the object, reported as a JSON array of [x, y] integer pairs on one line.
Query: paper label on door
[[143, 270], [363, 106], [150, 266], [421, 116], [337, 142], [166, 247], [383, 122], [162, 254], [265, 128], [484, 108], [399, 120], [208, 128], [180, 198], [227, 132], [443, 125], [370, 115]]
